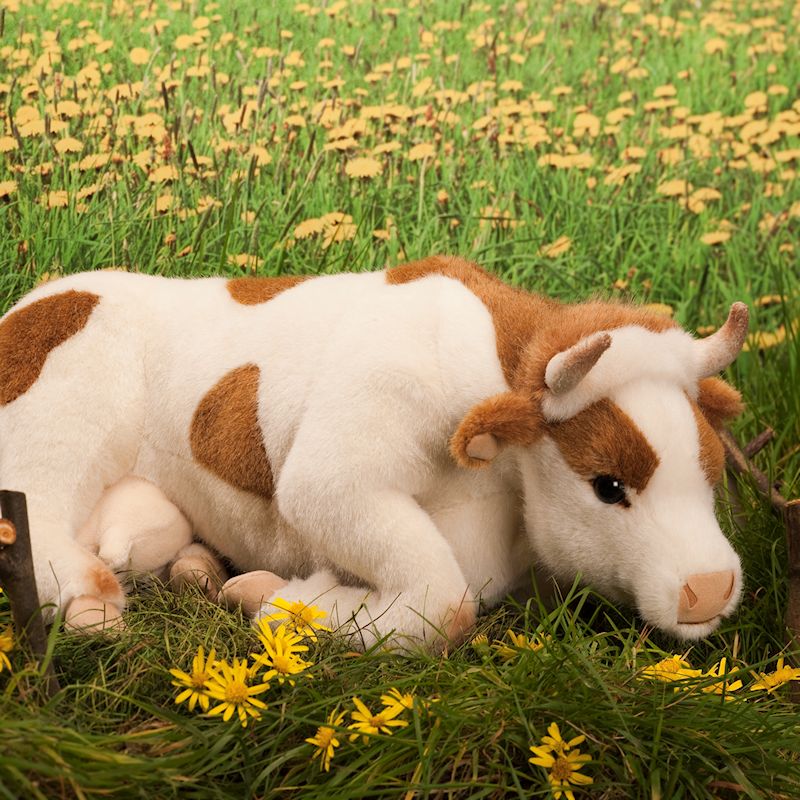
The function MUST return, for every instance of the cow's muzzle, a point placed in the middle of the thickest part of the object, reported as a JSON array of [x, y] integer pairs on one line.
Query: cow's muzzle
[[705, 596]]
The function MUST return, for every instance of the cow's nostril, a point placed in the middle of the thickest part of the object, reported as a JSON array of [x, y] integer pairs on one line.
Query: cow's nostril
[[705, 595]]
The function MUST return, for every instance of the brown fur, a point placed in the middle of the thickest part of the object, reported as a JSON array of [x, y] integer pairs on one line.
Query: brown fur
[[28, 335], [104, 584], [604, 440], [712, 453], [719, 401], [511, 418], [226, 437], [252, 291], [530, 329]]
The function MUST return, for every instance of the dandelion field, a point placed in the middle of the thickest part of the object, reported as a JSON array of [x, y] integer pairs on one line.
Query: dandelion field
[[637, 149]]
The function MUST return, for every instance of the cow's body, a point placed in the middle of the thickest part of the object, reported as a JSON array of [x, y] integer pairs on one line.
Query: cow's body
[[303, 427]]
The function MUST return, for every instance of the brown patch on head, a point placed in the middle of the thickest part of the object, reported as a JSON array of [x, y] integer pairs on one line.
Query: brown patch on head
[[252, 291], [225, 435], [104, 584], [529, 329], [719, 401], [603, 440], [509, 418], [29, 334], [712, 453]]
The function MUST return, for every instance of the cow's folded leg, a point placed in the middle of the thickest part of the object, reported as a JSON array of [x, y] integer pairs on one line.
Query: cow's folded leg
[[418, 593], [197, 566], [250, 590]]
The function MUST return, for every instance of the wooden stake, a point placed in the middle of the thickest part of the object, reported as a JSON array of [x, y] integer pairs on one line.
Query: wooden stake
[[19, 582]]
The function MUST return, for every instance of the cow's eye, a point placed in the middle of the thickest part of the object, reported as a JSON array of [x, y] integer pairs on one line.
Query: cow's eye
[[609, 489]]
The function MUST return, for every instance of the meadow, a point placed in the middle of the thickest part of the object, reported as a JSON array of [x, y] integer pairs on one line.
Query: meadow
[[645, 149]]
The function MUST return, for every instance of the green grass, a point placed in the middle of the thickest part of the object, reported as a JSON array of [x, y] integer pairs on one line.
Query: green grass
[[114, 728]]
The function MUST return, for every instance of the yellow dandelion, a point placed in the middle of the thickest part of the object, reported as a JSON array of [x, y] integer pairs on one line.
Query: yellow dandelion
[[55, 199], [721, 685], [363, 168], [395, 697], [325, 739], [670, 669], [563, 762], [163, 174], [366, 724], [245, 260], [421, 151], [7, 188], [229, 685], [674, 188], [7, 144], [281, 653], [556, 248], [769, 681], [68, 144], [715, 237], [6, 646], [139, 56], [300, 618], [194, 684], [309, 227]]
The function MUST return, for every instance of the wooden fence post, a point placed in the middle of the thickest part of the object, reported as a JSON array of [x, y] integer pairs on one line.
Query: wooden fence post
[[19, 582]]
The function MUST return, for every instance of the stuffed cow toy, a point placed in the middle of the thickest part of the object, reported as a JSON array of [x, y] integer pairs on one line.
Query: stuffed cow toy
[[393, 447]]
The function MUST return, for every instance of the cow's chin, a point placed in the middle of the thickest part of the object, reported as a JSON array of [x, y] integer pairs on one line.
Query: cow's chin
[[692, 631]]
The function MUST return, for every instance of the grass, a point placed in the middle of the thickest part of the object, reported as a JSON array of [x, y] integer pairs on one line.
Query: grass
[[206, 149]]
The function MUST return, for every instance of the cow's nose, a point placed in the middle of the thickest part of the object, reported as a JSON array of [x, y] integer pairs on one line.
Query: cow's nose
[[705, 595]]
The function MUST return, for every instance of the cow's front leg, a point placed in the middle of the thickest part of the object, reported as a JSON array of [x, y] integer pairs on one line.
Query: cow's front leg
[[413, 589]]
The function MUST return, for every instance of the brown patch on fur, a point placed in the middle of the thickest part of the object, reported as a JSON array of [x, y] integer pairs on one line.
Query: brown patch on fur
[[712, 453], [604, 440], [29, 334], [511, 418], [225, 435], [530, 329], [104, 584], [719, 401], [252, 291]]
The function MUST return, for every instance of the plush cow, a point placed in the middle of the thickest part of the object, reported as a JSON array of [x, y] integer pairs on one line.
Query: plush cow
[[390, 446]]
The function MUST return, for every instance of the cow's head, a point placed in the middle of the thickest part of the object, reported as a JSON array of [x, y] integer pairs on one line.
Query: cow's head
[[619, 458]]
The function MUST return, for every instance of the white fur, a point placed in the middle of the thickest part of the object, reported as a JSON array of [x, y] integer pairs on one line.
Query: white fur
[[361, 386]]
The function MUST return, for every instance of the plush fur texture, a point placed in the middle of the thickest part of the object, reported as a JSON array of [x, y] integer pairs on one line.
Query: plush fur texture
[[317, 431]]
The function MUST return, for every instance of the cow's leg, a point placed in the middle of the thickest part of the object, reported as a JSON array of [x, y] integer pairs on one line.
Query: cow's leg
[[69, 435], [198, 566]]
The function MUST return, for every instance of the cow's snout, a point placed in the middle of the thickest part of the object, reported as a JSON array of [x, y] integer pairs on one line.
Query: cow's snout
[[705, 596]]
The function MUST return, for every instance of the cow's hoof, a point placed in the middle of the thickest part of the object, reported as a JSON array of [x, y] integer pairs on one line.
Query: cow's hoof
[[88, 614], [250, 590], [196, 570]]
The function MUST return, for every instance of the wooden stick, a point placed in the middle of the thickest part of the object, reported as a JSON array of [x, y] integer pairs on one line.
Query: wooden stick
[[740, 464], [756, 445], [19, 582], [792, 618]]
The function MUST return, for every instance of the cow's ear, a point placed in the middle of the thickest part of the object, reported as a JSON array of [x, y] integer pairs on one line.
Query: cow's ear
[[719, 401], [507, 418]]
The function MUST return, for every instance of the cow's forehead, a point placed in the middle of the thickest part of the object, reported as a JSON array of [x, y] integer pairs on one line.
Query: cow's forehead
[[604, 440]]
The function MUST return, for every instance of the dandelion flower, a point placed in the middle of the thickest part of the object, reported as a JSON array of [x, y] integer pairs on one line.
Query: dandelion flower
[[674, 188], [363, 168], [300, 618], [420, 151], [139, 56], [769, 681], [7, 144], [715, 237], [194, 684], [325, 739], [229, 685], [6, 646], [563, 763], [7, 188], [556, 248], [366, 723], [721, 686], [309, 227], [281, 653], [396, 698], [669, 669]]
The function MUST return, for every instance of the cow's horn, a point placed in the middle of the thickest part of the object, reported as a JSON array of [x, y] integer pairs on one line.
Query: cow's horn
[[715, 352], [567, 369]]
